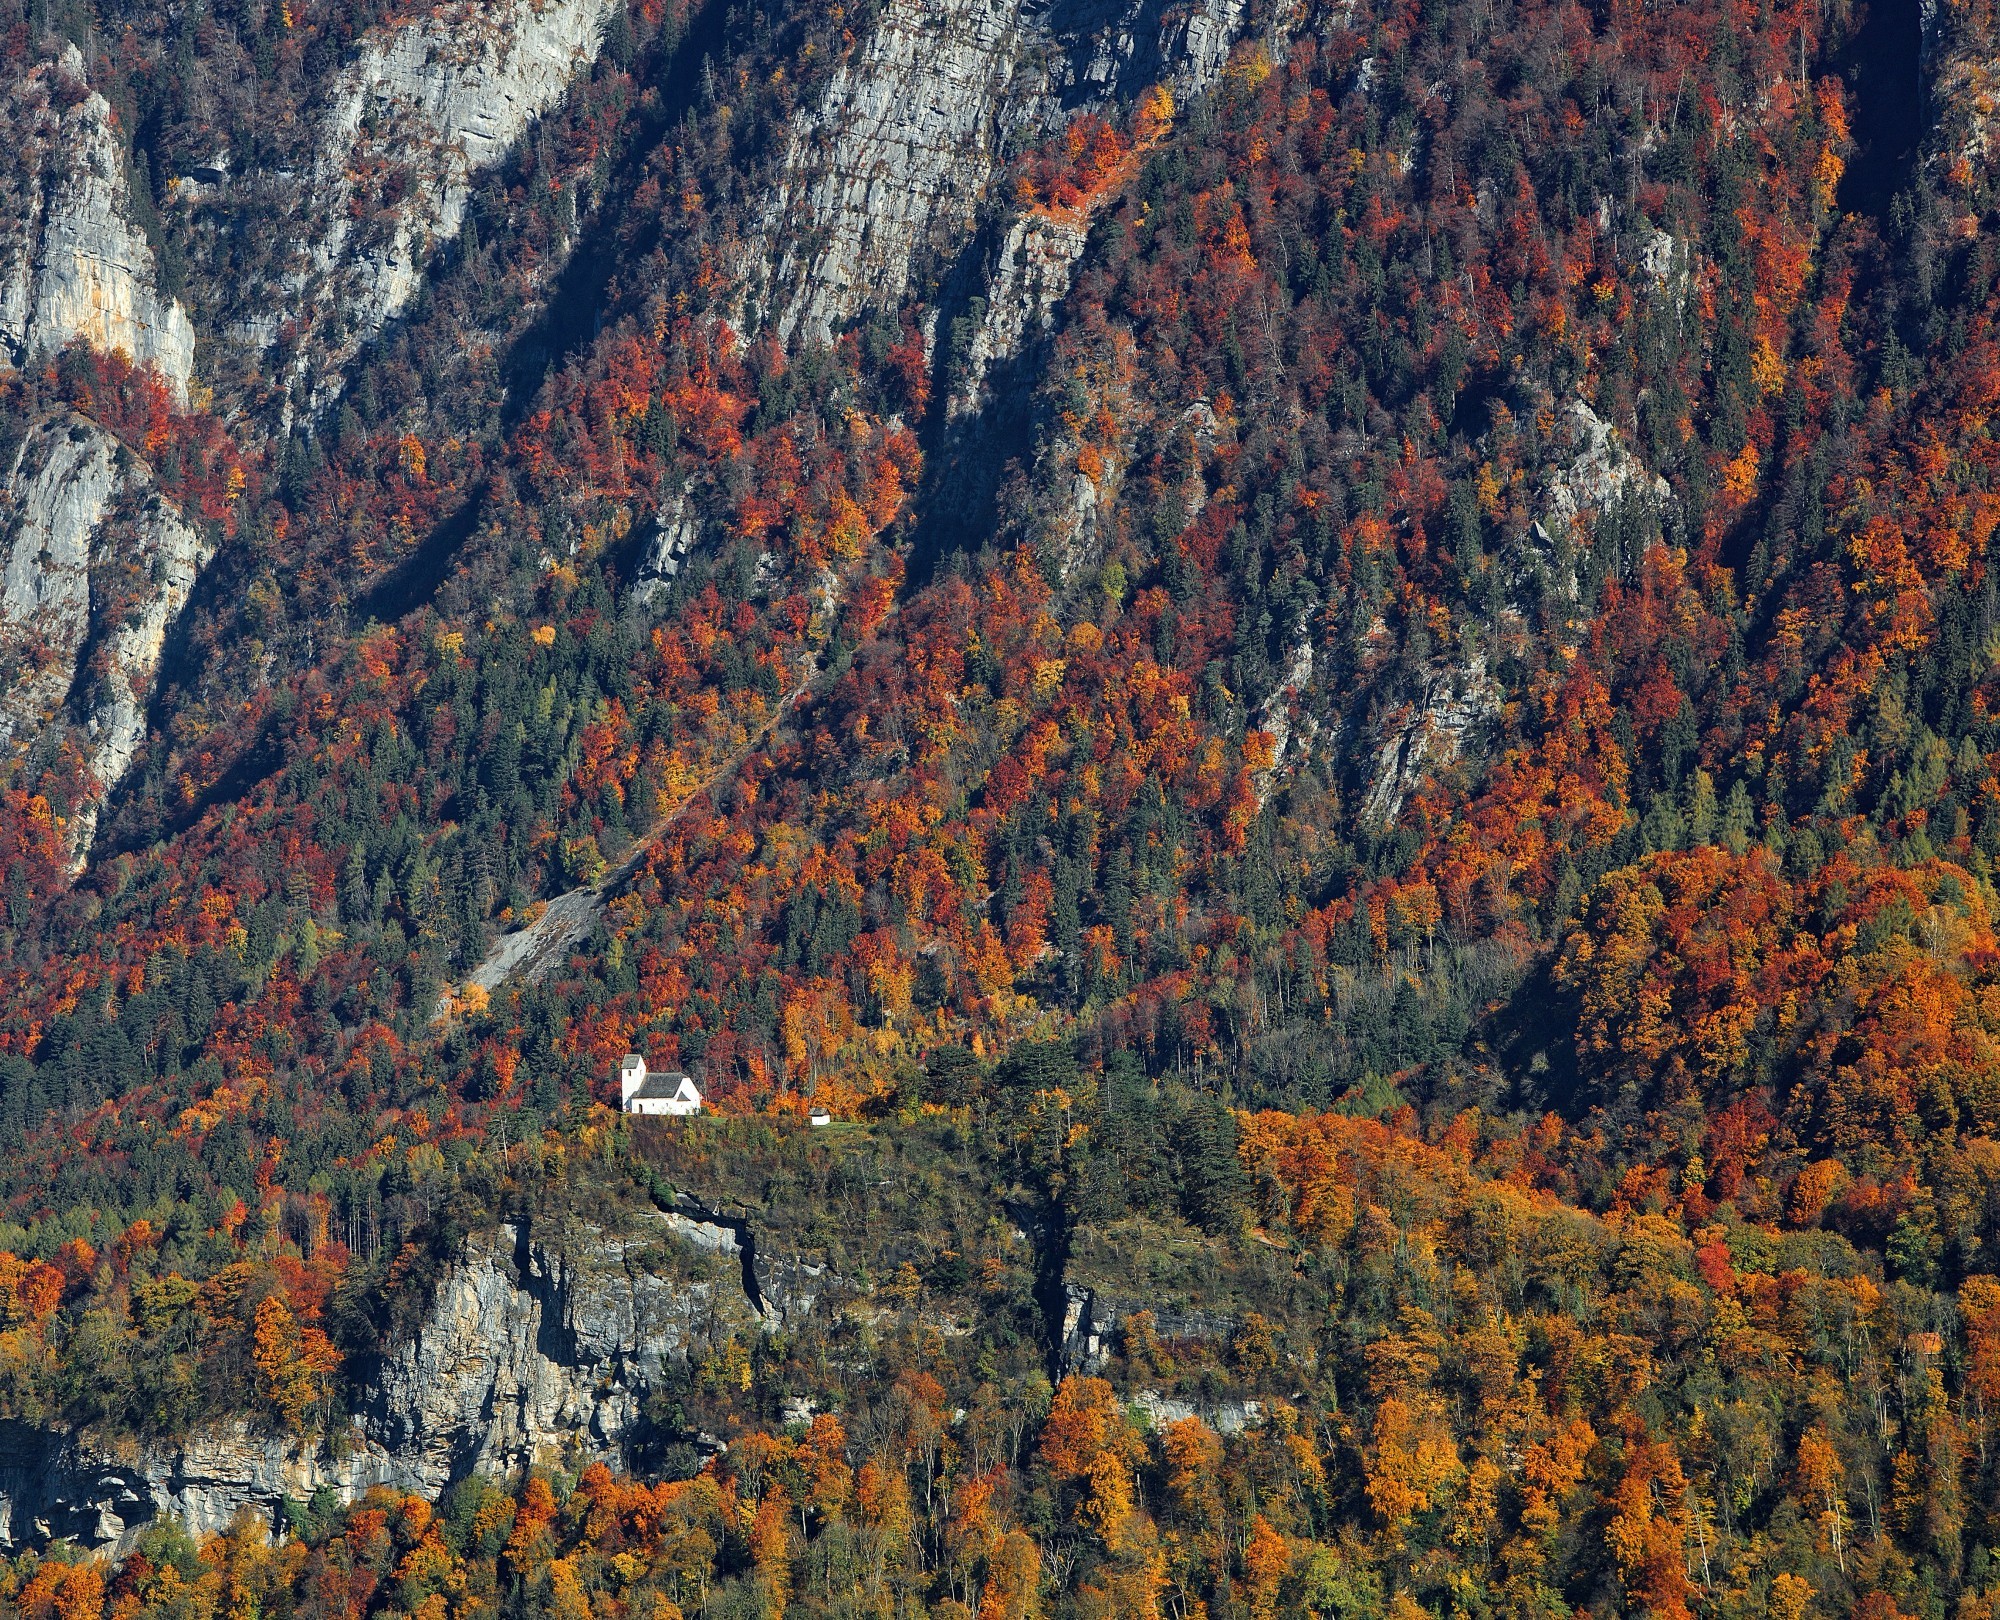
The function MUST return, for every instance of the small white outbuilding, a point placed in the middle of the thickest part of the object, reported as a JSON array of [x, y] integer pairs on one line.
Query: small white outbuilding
[[641, 1091]]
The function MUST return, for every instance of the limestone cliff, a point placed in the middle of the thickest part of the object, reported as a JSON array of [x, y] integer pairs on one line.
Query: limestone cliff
[[532, 1346], [1593, 472], [1427, 736], [1029, 277], [56, 495], [64, 1486], [420, 110], [72, 265], [95, 565], [143, 583], [537, 1344], [895, 165], [896, 159]]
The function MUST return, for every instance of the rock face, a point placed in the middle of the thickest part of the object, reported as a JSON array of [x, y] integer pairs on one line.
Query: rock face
[[897, 157], [1224, 1417], [147, 582], [412, 119], [679, 528], [1596, 473], [1427, 737], [1275, 718], [57, 493], [1030, 274], [51, 1488], [1669, 260], [72, 265], [94, 567], [781, 1289], [531, 1345], [57, 1486], [895, 164], [1092, 1318]]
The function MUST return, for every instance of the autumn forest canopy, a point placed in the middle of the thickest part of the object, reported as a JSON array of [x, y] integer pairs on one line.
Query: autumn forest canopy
[[1374, 809]]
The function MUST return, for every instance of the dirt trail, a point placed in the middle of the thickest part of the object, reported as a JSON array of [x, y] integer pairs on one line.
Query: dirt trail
[[530, 952]]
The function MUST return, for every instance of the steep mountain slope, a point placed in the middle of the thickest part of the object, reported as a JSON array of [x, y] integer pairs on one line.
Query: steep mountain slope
[[1334, 662]]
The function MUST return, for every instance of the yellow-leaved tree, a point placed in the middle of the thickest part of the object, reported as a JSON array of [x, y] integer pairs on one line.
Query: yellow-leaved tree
[[295, 1362]]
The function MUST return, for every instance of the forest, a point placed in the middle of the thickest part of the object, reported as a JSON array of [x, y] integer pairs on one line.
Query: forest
[[1470, 878]]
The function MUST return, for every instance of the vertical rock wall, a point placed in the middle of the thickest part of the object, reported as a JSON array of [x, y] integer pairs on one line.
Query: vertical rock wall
[[72, 265], [95, 565], [896, 160], [1029, 277], [894, 168], [56, 494], [531, 1347]]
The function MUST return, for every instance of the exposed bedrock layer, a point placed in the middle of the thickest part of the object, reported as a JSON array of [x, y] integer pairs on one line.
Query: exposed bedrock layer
[[532, 1346]]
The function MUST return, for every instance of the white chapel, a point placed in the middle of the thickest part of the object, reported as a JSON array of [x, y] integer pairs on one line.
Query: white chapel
[[641, 1091]]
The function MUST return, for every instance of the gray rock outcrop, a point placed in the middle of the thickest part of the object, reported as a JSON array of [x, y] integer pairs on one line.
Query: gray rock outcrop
[[1669, 261], [679, 527], [57, 493], [1225, 1417], [1093, 1317], [1030, 276], [149, 582], [72, 264], [1428, 735], [1595, 471], [895, 165], [531, 1346], [57, 1486], [95, 565], [434, 101], [896, 158], [1275, 718]]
